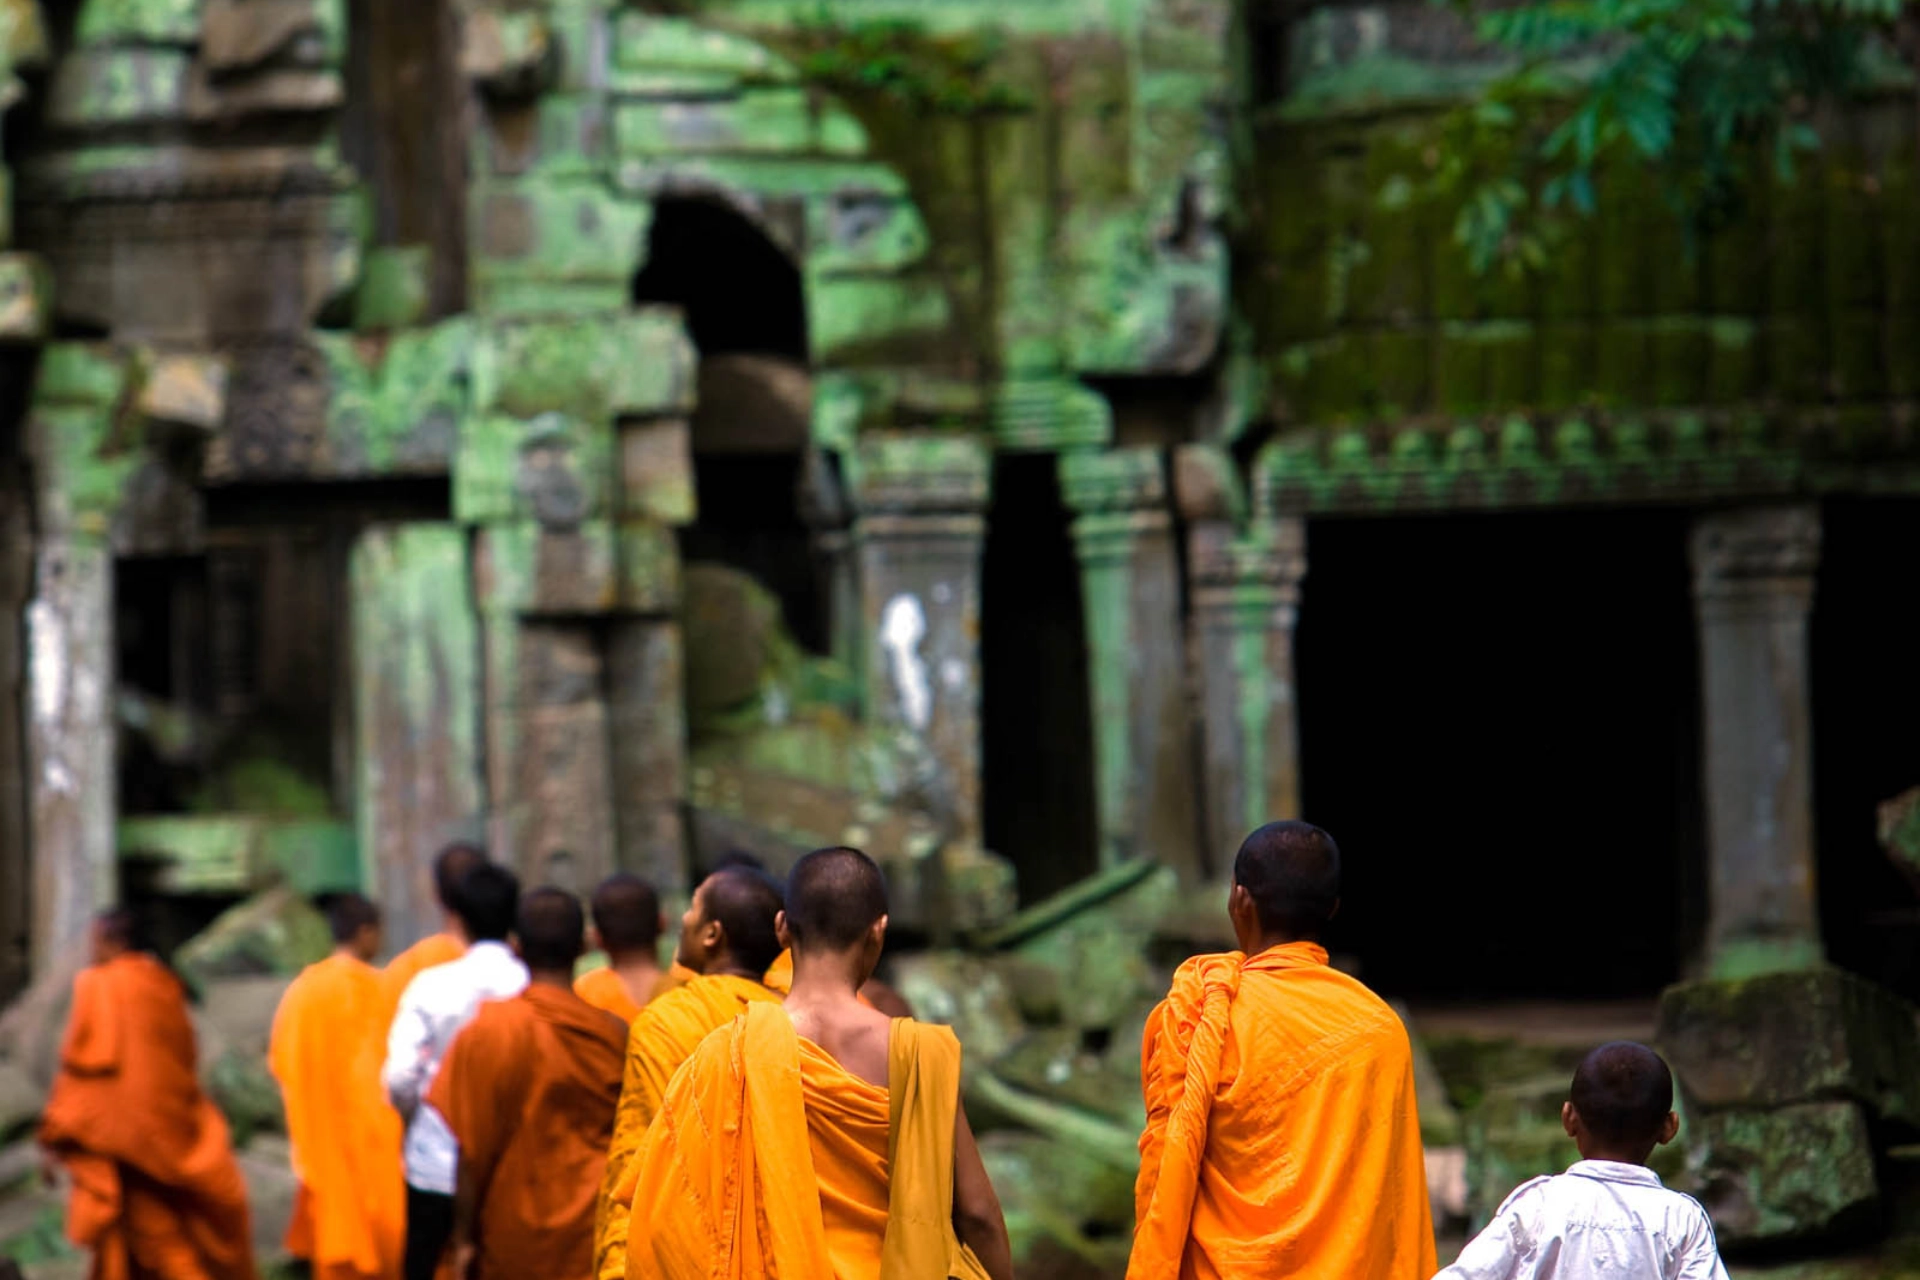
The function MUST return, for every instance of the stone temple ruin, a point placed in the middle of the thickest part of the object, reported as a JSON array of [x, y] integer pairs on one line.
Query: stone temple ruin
[[1033, 442]]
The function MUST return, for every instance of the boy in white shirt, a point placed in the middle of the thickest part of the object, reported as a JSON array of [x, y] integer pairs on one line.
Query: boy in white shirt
[[1608, 1216]]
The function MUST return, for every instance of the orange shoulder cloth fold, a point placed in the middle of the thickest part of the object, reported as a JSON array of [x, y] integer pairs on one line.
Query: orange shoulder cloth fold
[[729, 1187], [156, 1190], [663, 1037], [1282, 1133]]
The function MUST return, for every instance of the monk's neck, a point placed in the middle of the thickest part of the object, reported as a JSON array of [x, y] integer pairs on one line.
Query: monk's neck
[[728, 969], [634, 966], [561, 978], [828, 976]]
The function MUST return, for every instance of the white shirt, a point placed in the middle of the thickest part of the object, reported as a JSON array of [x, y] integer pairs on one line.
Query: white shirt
[[436, 1004], [1597, 1221]]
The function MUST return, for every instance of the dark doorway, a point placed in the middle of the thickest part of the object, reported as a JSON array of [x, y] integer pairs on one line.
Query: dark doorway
[[1036, 712], [1866, 702], [1500, 724], [746, 312]]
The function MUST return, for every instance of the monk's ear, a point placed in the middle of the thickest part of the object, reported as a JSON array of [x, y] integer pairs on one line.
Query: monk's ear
[[878, 933], [780, 930]]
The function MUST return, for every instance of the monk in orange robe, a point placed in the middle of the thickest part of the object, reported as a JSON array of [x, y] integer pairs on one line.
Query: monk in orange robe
[[626, 925], [446, 946], [875, 994], [1282, 1133], [156, 1191], [329, 1039], [529, 1089], [822, 1141], [728, 937]]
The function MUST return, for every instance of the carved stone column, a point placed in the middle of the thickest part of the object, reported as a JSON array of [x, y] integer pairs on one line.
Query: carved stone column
[[921, 499], [1753, 589], [1245, 597], [70, 739], [1130, 575]]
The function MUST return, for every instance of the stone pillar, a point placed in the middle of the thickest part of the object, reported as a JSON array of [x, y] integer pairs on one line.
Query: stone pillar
[[824, 507], [1136, 657], [646, 705], [416, 692], [70, 739], [921, 498], [1245, 594], [1753, 588]]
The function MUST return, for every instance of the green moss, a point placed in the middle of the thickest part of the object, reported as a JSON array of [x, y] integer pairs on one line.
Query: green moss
[[900, 61]]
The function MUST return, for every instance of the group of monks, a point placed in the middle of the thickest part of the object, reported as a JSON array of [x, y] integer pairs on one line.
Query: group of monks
[[761, 1107]]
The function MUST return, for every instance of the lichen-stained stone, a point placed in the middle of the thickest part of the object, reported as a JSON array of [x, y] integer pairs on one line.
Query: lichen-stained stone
[[508, 53], [1791, 1037], [558, 136], [26, 289], [127, 22], [416, 701], [849, 317], [1794, 1174], [238, 34], [551, 469], [23, 34], [627, 363], [648, 41], [395, 288], [963, 992], [186, 391], [99, 88], [277, 91], [555, 247], [656, 471], [853, 231], [758, 122], [527, 569]]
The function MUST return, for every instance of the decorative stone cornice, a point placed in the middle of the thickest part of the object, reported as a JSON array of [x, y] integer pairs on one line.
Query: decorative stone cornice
[[1247, 581], [1112, 481], [1761, 558], [1520, 462], [919, 473]]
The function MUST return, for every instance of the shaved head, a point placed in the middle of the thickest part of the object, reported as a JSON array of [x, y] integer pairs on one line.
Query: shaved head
[[454, 864], [348, 914], [551, 929], [626, 911], [1623, 1092], [118, 927], [1291, 871], [744, 903], [834, 897]]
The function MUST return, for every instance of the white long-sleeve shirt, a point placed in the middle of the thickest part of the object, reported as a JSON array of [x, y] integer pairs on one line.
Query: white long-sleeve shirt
[[1597, 1221], [436, 1004]]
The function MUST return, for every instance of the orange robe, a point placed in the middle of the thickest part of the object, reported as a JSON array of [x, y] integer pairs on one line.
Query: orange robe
[[769, 1158], [529, 1089], [606, 989], [441, 948], [1282, 1136], [663, 1037], [156, 1190], [329, 1038]]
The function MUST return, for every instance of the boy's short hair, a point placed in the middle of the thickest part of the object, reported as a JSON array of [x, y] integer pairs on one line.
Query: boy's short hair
[[486, 902], [348, 914], [1623, 1092], [551, 929]]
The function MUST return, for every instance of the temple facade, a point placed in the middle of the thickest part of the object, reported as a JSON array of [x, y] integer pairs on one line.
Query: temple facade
[[1019, 439]]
